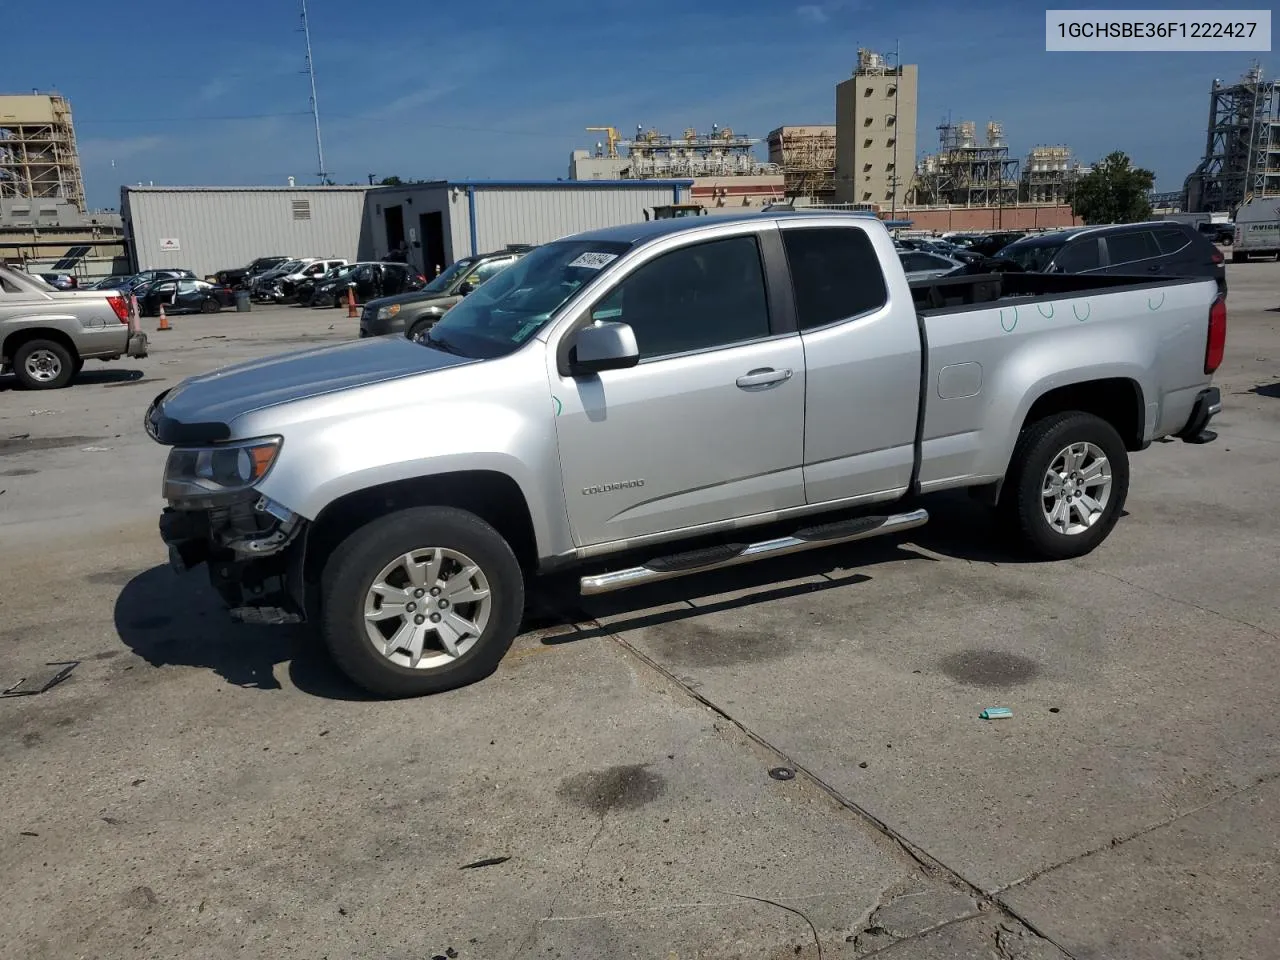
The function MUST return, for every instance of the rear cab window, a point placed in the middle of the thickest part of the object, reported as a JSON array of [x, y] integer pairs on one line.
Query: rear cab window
[[835, 274]]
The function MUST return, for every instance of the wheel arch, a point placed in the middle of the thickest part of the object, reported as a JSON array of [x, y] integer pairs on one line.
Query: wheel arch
[[489, 494], [9, 346]]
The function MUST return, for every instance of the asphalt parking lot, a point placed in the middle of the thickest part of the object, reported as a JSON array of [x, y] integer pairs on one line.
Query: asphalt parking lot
[[201, 789]]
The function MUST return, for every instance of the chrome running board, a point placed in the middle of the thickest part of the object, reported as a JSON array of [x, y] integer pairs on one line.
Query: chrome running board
[[732, 554]]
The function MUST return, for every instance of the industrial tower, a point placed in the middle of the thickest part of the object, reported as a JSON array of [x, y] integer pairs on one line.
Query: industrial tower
[[1242, 146], [38, 155]]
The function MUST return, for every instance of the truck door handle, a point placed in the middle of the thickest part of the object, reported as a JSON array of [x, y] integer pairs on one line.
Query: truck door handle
[[762, 376], [1154, 268]]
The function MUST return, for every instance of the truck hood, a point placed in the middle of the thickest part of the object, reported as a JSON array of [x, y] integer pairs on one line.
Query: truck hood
[[202, 408]]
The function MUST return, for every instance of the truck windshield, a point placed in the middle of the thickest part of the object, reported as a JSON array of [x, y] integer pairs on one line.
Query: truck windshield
[[505, 311], [1034, 257]]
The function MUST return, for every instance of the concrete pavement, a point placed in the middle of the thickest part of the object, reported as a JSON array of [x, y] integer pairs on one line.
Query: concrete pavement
[[198, 788]]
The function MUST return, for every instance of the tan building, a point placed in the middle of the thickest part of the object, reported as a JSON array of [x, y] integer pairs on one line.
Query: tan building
[[807, 157], [876, 132], [38, 156]]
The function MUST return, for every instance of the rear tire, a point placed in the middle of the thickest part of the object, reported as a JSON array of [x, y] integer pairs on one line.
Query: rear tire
[[385, 594], [1066, 486], [1237, 257], [43, 365]]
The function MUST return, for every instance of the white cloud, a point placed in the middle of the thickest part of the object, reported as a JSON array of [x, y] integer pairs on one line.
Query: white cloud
[[812, 13]]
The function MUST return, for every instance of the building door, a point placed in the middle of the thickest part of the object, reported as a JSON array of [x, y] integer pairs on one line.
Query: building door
[[394, 217], [431, 230]]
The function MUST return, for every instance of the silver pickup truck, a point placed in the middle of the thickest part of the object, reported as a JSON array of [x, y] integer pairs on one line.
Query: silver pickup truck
[[46, 335], [651, 401]]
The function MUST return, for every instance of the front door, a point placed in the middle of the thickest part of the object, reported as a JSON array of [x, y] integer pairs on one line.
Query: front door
[[709, 426]]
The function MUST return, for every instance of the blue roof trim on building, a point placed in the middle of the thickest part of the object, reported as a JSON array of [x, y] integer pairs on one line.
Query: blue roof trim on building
[[566, 184]]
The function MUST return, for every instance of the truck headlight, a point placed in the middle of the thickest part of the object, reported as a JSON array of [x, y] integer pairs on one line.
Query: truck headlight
[[386, 313], [214, 473]]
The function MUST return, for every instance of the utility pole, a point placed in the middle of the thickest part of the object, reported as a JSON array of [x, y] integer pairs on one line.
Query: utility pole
[[897, 69], [315, 106]]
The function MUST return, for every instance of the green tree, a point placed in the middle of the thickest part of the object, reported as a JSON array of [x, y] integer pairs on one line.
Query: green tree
[[391, 182], [1115, 191]]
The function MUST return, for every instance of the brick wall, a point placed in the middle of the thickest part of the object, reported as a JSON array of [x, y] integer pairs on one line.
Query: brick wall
[[990, 218]]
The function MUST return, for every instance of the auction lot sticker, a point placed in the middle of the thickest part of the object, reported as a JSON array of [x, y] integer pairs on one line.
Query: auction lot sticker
[[594, 261], [1167, 31]]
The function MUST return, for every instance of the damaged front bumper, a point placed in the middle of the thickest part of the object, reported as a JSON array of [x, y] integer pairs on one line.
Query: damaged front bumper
[[254, 549]]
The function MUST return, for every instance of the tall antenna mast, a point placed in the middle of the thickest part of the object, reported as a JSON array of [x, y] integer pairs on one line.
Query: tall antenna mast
[[315, 106]]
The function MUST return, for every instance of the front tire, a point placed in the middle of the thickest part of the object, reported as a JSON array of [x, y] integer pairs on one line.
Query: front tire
[[1066, 485], [43, 365], [210, 306], [418, 332], [421, 601]]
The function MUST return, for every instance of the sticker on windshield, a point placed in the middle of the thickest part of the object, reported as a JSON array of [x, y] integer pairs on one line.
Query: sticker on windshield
[[520, 335], [594, 261]]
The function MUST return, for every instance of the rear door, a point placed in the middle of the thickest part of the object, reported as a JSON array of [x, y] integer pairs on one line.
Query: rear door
[[862, 364]]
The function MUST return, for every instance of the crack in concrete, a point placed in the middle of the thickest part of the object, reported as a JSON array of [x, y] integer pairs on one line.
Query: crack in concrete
[[1186, 603], [817, 941], [551, 908], [930, 866], [1120, 841]]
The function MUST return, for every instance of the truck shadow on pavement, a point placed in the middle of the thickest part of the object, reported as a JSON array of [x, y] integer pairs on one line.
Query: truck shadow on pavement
[[171, 619], [113, 376]]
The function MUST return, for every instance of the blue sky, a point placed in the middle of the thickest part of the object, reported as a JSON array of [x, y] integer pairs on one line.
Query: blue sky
[[182, 92]]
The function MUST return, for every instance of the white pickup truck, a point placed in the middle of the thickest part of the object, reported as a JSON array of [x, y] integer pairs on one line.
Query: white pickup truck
[[659, 399]]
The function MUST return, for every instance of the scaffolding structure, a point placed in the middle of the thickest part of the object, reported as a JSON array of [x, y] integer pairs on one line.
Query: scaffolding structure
[[807, 157], [38, 155], [721, 153], [1242, 146], [968, 173], [1048, 174]]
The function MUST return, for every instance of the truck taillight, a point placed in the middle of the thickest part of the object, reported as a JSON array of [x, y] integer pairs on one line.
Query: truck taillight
[[120, 307], [1217, 341]]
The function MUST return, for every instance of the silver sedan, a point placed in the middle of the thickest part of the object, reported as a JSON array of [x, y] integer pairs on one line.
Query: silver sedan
[[920, 265]]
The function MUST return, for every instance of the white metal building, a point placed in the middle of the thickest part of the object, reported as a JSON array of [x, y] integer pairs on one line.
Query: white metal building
[[206, 229], [443, 221]]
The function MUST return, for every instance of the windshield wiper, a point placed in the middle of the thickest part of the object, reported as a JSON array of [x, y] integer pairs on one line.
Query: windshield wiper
[[443, 345]]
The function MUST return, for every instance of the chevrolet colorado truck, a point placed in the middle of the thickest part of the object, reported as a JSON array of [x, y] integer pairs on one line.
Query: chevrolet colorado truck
[[46, 335], [655, 400]]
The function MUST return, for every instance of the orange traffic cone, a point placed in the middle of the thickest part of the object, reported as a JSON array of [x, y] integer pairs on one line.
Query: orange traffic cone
[[351, 303], [164, 320]]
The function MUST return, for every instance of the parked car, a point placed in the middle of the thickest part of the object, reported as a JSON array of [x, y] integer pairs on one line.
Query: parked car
[[1257, 230], [370, 281], [236, 277], [263, 282], [282, 288], [638, 402], [110, 283], [991, 244], [46, 335], [921, 265], [414, 313], [60, 281], [1223, 233], [147, 276], [1159, 249], [183, 296]]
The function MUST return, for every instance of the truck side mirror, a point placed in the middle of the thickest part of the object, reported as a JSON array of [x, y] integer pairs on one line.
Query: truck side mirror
[[607, 345]]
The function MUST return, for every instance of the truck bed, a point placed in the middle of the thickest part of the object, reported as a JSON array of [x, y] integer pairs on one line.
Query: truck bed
[[944, 294], [993, 342]]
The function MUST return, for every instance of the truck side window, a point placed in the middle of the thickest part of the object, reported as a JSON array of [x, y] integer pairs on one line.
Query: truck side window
[[1079, 256], [836, 274], [699, 297]]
